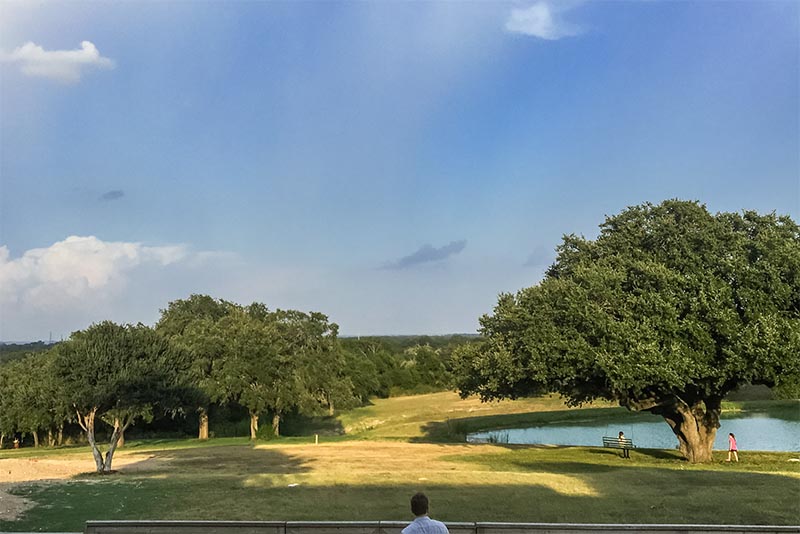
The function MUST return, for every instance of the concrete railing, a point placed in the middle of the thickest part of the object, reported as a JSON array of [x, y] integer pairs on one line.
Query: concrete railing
[[394, 527]]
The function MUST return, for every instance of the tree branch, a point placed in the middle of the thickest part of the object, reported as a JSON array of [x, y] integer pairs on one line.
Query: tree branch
[[81, 421]]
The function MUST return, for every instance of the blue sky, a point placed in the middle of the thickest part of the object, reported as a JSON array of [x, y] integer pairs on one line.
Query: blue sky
[[394, 165]]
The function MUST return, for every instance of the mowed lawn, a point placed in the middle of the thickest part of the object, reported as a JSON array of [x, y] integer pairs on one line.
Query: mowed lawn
[[403, 450]]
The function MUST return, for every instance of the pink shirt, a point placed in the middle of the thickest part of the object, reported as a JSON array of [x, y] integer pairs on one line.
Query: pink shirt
[[731, 443]]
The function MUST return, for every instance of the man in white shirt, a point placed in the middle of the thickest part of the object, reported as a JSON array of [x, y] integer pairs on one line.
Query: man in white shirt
[[423, 524]]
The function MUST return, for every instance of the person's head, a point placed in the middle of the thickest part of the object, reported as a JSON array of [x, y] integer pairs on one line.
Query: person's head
[[731, 435], [621, 433], [419, 504]]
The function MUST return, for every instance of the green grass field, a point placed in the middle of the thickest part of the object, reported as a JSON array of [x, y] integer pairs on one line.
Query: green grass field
[[398, 446]]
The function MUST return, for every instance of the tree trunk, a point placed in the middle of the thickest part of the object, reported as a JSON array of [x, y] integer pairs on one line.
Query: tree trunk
[[60, 435], [276, 424], [118, 427], [330, 407], [2, 439], [203, 431], [113, 443], [51, 440], [35, 438], [253, 425], [87, 424], [694, 425]]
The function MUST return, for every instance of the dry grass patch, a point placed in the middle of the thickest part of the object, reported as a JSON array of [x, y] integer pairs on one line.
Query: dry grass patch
[[368, 463]]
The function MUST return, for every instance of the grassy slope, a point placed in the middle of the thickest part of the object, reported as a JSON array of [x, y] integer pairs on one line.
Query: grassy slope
[[401, 449]]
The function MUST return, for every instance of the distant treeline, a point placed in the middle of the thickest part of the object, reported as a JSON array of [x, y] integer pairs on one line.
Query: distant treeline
[[14, 351], [388, 366], [208, 367]]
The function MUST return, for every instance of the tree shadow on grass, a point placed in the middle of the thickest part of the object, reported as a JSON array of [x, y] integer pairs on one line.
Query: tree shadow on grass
[[144, 480], [570, 468], [659, 454], [439, 432], [604, 452], [569, 493], [301, 425], [237, 460]]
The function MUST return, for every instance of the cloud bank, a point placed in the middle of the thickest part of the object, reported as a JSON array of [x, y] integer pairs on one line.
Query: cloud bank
[[65, 66], [542, 20], [81, 280], [76, 270], [426, 254]]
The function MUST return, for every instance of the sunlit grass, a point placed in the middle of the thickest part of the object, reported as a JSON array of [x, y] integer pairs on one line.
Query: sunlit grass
[[399, 446], [372, 480]]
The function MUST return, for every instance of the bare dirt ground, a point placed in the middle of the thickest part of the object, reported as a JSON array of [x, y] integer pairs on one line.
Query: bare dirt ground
[[16, 471]]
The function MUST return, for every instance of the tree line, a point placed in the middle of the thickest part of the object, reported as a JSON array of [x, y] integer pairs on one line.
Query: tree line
[[202, 355]]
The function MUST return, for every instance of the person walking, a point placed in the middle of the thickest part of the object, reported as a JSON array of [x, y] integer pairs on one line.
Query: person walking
[[732, 448], [423, 524]]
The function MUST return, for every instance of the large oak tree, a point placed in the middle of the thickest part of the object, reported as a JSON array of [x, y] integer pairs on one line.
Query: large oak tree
[[667, 311]]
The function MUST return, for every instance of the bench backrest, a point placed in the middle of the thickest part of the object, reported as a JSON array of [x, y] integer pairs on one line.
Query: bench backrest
[[625, 442]]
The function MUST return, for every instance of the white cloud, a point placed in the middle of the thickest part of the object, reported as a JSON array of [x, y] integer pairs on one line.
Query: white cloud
[[81, 280], [542, 20], [74, 270], [62, 65]]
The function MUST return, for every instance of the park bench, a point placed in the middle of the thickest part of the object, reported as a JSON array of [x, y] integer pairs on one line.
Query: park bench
[[616, 443]]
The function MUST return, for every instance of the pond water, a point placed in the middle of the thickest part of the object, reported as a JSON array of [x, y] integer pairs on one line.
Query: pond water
[[758, 432]]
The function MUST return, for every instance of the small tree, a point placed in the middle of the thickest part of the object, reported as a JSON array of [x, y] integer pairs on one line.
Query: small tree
[[11, 416], [121, 371], [281, 361], [429, 368], [362, 372], [261, 371], [249, 364], [667, 311], [314, 343], [191, 325], [30, 402]]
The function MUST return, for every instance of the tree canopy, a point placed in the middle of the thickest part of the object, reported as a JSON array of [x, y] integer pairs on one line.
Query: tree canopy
[[192, 326], [266, 361], [217, 358], [667, 311], [125, 371]]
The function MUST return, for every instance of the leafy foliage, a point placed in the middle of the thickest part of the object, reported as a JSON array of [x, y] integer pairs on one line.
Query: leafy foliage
[[214, 361], [122, 372], [668, 310]]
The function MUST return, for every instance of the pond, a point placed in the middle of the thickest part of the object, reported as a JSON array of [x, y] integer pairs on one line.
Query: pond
[[759, 432]]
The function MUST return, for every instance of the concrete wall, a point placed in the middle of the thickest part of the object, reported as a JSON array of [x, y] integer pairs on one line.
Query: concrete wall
[[394, 527]]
